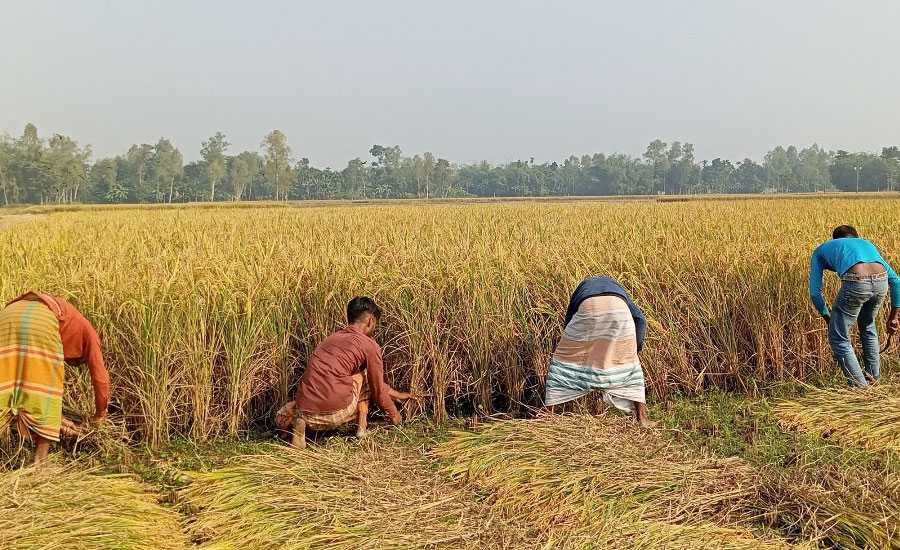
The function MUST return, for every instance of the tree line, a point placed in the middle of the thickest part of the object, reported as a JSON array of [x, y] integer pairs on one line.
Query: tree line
[[35, 170]]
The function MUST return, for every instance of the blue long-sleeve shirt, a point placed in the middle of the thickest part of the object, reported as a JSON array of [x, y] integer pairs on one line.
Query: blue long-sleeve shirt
[[595, 286], [839, 255]]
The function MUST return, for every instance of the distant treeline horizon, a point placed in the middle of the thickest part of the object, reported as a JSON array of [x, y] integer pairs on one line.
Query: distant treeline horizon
[[56, 170]]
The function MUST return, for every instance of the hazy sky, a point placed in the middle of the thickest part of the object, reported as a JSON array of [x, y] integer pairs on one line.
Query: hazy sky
[[468, 80]]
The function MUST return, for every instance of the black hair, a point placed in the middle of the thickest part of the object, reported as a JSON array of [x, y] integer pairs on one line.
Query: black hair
[[361, 305], [842, 231]]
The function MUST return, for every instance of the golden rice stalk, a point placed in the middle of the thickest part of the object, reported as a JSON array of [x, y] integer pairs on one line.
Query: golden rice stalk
[[562, 469], [70, 508], [329, 500], [473, 295], [106, 440], [867, 417], [633, 533], [850, 509]]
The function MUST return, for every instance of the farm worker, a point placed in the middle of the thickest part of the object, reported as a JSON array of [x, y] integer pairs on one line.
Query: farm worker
[[604, 331], [39, 335], [865, 280], [343, 372]]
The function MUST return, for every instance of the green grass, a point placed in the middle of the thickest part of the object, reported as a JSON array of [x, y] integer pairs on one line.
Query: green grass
[[734, 425]]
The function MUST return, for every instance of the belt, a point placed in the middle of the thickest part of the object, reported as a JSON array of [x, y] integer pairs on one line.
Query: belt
[[849, 276]]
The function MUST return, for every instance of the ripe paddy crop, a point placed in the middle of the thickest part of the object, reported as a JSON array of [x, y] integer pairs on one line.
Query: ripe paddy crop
[[207, 315], [869, 418], [71, 508]]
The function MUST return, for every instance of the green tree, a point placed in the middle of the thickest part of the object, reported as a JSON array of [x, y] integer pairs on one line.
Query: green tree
[[31, 170], [66, 167], [241, 171], [137, 162], [213, 153], [167, 165], [891, 158], [278, 159], [355, 177], [104, 174], [8, 182]]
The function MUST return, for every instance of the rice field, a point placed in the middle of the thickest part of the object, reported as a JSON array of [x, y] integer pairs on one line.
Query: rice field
[[207, 315]]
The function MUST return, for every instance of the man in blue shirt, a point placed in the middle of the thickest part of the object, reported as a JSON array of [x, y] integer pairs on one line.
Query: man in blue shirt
[[865, 280]]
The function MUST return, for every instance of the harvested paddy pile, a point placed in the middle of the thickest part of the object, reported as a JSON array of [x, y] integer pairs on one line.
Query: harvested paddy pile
[[583, 479], [629, 532], [326, 499], [849, 508], [867, 417], [586, 480], [560, 469], [72, 509]]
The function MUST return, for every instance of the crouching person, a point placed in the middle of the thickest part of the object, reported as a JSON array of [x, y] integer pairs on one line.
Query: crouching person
[[343, 374]]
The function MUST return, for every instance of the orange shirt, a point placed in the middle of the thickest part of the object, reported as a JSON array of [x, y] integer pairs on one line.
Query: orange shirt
[[326, 384], [80, 343]]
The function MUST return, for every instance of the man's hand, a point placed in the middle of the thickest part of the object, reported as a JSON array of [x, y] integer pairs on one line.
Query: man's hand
[[68, 428], [893, 321], [395, 420], [402, 397]]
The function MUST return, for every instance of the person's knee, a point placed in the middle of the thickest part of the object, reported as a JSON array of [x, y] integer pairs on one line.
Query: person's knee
[[838, 338], [841, 346]]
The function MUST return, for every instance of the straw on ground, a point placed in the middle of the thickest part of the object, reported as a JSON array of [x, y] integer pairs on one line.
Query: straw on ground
[[66, 507]]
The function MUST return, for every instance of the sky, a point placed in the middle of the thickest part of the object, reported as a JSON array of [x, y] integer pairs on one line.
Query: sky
[[468, 80]]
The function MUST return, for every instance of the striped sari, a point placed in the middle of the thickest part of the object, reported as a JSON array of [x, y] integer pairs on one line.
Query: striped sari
[[598, 351], [32, 369]]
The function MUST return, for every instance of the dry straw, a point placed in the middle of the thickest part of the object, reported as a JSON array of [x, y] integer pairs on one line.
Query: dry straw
[[587, 480], [77, 510], [568, 474], [867, 417], [850, 508], [330, 500], [556, 469]]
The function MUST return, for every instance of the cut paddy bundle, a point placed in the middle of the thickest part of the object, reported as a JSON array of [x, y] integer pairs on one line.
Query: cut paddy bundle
[[568, 474], [629, 532], [562, 469], [74, 509], [848, 508], [868, 417], [597, 483], [324, 499]]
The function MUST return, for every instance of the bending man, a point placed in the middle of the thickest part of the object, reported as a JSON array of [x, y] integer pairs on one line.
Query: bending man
[[344, 370], [39, 335], [865, 279], [598, 350]]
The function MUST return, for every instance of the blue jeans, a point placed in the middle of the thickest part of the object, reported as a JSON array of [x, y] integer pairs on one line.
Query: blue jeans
[[857, 301]]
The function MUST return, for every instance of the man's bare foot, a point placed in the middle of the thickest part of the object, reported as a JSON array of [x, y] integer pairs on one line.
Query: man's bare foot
[[362, 433], [298, 439], [640, 414]]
